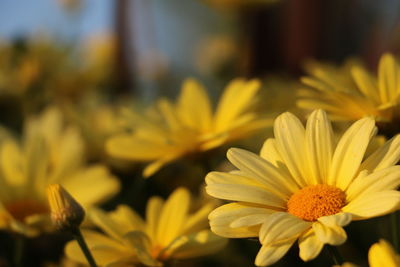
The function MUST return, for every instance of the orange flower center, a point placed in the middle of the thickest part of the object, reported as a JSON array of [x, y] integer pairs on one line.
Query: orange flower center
[[157, 252], [23, 208], [315, 201]]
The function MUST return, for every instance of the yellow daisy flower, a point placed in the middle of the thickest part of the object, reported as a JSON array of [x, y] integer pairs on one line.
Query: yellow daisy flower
[[304, 187], [381, 254], [171, 231], [173, 130], [352, 92], [48, 153]]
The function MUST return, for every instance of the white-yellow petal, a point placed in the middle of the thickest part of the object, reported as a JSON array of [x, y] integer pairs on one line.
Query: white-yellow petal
[[281, 226], [263, 171], [319, 147], [222, 217], [350, 152], [339, 219], [386, 156], [173, 216], [329, 235], [373, 204], [290, 141], [269, 254], [310, 246], [384, 179]]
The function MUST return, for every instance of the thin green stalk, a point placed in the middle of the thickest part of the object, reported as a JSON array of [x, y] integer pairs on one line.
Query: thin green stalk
[[82, 243], [19, 243], [394, 221], [335, 255]]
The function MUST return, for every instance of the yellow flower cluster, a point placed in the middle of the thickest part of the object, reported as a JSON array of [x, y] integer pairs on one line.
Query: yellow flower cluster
[[307, 183]]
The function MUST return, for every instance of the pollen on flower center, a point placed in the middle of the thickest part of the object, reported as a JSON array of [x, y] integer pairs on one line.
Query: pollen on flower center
[[315, 201]]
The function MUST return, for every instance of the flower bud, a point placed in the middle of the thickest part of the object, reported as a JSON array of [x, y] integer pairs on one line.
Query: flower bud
[[66, 213]]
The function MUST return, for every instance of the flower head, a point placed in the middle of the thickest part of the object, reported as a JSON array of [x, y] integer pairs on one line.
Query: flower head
[[305, 187], [66, 212], [383, 254], [170, 231], [380, 254], [49, 152], [351, 92], [172, 130]]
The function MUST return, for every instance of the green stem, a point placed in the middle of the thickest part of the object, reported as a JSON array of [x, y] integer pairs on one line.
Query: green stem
[[81, 241], [395, 230], [19, 243], [335, 254]]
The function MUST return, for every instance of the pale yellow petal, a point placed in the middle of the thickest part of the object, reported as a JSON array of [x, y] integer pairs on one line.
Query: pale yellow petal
[[269, 254], [310, 246], [222, 217], [169, 114], [252, 219], [127, 218], [173, 216], [329, 235], [339, 219], [290, 141], [68, 153], [128, 146], [350, 152], [12, 163], [384, 179], [382, 254], [238, 188], [373, 204], [319, 147], [388, 78], [92, 185], [195, 245], [282, 226], [270, 153], [236, 99], [366, 83], [262, 171], [194, 105], [386, 156], [105, 223], [198, 220], [153, 212]]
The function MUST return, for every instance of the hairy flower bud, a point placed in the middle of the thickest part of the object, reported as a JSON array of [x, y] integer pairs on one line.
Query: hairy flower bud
[[66, 213]]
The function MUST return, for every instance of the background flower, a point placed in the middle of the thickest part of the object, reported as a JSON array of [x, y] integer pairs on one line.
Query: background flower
[[171, 231]]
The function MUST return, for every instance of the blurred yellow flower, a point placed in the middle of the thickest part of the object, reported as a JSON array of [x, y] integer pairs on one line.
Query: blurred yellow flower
[[171, 130], [48, 153], [351, 92], [39, 70], [304, 187], [380, 254], [171, 231]]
